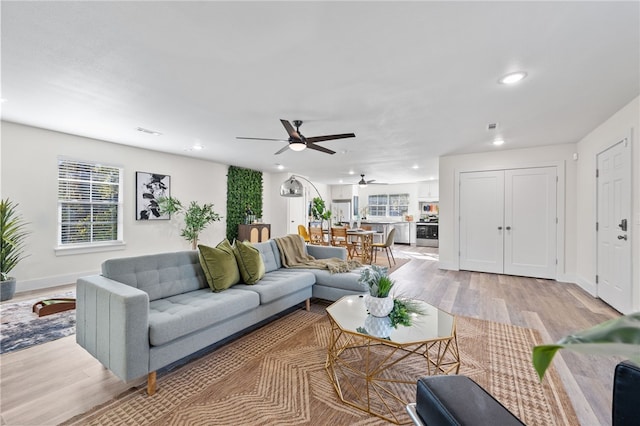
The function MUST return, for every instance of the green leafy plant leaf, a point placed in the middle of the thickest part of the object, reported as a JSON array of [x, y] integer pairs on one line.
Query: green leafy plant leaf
[[619, 336], [13, 234]]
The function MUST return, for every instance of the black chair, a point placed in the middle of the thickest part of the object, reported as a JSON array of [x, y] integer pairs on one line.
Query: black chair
[[458, 400]]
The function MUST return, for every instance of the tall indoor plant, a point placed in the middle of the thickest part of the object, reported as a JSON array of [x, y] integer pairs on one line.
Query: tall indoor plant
[[13, 232], [319, 210], [196, 217]]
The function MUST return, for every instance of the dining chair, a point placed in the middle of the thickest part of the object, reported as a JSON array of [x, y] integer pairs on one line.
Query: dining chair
[[340, 238], [302, 231], [386, 246], [316, 236]]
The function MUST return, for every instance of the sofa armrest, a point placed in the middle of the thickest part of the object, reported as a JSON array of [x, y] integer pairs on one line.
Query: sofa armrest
[[325, 252], [112, 324]]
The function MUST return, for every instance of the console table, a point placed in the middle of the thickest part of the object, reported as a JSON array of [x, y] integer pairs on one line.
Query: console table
[[254, 233]]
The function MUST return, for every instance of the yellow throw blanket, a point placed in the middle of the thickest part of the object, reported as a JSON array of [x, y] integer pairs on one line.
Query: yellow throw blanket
[[292, 255]]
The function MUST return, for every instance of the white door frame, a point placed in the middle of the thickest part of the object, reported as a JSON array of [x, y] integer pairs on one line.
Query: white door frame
[[560, 205]]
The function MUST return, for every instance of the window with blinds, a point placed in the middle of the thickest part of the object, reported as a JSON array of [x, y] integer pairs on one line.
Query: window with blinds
[[89, 208], [388, 205]]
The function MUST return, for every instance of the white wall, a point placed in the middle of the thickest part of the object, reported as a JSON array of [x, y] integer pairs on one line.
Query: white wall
[[561, 155], [29, 177], [625, 123]]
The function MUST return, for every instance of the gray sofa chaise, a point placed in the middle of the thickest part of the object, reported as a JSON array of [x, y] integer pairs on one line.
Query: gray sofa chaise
[[146, 312]]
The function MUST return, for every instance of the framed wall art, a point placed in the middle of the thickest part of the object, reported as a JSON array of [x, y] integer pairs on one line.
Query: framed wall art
[[150, 187]]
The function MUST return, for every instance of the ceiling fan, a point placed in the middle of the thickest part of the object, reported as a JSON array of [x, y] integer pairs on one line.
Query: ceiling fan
[[298, 142], [363, 182]]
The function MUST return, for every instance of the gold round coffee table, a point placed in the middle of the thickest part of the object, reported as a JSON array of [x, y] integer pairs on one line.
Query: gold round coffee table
[[375, 367]]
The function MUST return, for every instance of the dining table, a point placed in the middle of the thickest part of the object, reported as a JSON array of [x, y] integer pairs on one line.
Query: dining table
[[365, 238]]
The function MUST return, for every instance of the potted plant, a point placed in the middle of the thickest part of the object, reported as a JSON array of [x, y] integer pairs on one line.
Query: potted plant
[[376, 280], [619, 336], [13, 232], [196, 217], [319, 210]]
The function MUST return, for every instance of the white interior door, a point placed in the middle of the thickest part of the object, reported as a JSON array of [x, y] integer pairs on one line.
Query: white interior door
[[481, 221], [297, 213], [530, 222], [614, 226]]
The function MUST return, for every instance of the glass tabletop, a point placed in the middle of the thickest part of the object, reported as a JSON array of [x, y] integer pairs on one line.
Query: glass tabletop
[[350, 314]]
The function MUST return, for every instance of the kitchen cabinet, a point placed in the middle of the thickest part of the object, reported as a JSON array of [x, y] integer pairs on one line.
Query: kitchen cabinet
[[343, 192], [428, 190]]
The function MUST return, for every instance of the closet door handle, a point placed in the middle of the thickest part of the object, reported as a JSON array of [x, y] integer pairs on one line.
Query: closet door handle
[[508, 228], [499, 228]]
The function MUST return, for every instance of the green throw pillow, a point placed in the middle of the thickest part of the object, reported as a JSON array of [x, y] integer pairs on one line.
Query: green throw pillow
[[249, 261], [219, 265]]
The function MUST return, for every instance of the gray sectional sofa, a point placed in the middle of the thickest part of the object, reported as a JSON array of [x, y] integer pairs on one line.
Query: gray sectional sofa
[[146, 312]]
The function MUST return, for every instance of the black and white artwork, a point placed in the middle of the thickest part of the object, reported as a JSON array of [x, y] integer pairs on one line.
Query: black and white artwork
[[150, 187]]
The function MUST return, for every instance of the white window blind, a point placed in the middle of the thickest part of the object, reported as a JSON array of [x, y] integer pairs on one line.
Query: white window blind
[[89, 208], [388, 204]]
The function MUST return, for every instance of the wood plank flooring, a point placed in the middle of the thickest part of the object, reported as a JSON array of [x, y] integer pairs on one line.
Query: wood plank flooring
[[52, 382]]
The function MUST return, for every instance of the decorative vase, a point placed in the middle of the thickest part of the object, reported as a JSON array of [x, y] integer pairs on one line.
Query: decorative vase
[[378, 326], [379, 306], [7, 289]]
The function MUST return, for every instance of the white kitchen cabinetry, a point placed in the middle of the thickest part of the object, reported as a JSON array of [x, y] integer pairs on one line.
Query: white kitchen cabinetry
[[343, 192], [428, 190], [508, 221]]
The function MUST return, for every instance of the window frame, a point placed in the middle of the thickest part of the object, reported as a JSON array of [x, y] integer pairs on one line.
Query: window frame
[[92, 184], [375, 206]]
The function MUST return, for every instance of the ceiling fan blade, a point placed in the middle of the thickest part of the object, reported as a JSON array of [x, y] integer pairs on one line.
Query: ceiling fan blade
[[319, 148], [262, 139], [290, 130], [286, 147], [330, 137], [370, 181]]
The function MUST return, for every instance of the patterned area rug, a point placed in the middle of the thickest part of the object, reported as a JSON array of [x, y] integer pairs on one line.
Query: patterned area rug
[[20, 328], [276, 375]]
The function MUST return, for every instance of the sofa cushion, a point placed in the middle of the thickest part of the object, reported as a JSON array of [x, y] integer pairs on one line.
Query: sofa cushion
[[219, 265], [185, 313], [270, 255], [342, 280], [280, 283], [159, 275], [249, 261]]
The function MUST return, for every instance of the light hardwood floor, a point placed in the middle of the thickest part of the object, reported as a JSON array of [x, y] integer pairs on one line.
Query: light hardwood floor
[[55, 381]]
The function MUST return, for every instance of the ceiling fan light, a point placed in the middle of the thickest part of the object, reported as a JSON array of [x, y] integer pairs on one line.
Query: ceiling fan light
[[291, 188], [362, 183], [297, 146]]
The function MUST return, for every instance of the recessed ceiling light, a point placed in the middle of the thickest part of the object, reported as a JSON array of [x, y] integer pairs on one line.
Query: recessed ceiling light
[[341, 181], [498, 142], [415, 167], [513, 77], [280, 166], [351, 172], [197, 147]]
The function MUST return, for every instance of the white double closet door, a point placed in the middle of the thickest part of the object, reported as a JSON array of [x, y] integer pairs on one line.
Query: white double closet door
[[508, 221]]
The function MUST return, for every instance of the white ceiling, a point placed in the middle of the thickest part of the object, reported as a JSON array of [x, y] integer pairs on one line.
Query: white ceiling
[[413, 80]]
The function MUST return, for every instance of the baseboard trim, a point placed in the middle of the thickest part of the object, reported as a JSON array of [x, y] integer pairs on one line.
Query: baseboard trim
[[588, 286], [449, 266], [56, 281]]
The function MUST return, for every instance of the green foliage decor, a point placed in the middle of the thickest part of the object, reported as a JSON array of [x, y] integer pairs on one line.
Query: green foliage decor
[[196, 217], [244, 192], [402, 310], [13, 233], [619, 336]]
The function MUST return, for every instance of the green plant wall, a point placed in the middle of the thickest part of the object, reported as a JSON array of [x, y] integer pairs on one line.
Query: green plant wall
[[244, 188]]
